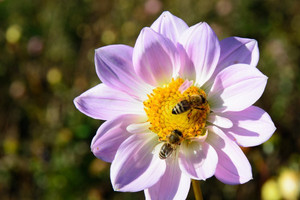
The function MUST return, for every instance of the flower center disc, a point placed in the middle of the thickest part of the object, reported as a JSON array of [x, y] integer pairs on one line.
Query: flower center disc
[[159, 107]]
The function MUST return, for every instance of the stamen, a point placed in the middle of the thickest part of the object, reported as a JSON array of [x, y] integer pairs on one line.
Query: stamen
[[162, 100]]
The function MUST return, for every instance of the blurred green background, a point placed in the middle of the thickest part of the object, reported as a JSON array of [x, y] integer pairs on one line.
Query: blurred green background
[[46, 59]]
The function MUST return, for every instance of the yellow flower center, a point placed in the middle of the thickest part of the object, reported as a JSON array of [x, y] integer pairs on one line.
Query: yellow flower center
[[190, 121]]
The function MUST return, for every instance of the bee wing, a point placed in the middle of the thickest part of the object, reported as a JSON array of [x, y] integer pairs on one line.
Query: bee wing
[[185, 85]]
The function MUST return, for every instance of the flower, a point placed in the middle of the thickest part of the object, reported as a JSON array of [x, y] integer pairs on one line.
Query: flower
[[180, 81]]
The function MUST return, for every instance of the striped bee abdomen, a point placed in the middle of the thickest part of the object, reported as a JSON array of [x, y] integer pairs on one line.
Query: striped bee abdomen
[[165, 151], [181, 107]]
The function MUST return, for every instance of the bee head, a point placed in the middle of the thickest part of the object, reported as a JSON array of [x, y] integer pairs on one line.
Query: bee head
[[177, 132]]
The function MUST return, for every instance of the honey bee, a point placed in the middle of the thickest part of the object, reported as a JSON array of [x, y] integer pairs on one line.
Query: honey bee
[[173, 140], [193, 102], [165, 151]]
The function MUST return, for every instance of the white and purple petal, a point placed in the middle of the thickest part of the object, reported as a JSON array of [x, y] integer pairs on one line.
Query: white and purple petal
[[139, 127], [103, 102], [251, 127], [111, 134], [187, 69], [173, 185], [135, 168], [236, 88], [170, 26], [236, 50], [233, 166], [198, 160], [155, 58], [220, 121], [184, 86], [114, 68], [203, 48]]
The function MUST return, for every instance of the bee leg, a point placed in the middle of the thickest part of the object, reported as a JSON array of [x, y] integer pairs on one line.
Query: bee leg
[[199, 108], [189, 114]]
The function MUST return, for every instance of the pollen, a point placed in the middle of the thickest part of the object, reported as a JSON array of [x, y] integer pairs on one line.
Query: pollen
[[159, 106]]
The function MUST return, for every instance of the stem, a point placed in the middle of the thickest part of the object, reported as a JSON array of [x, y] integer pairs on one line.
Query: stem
[[197, 190]]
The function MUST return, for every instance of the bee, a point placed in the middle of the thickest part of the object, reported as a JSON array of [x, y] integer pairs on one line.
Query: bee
[[165, 151], [193, 102], [173, 140]]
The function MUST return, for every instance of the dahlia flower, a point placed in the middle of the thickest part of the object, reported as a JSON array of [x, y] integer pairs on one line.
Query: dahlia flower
[[147, 93]]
